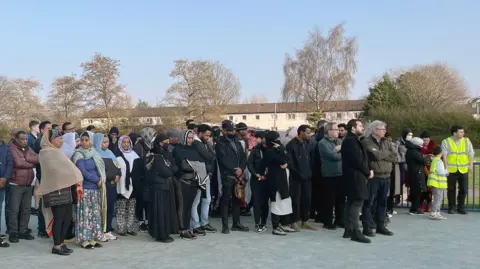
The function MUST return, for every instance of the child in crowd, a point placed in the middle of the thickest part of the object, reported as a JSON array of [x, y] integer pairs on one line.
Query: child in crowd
[[437, 180]]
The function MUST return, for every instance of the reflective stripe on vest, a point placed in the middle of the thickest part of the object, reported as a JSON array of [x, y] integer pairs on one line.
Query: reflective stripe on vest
[[434, 179], [458, 159]]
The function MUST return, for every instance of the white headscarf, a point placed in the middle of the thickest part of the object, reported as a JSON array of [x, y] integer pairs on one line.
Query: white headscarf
[[69, 144]]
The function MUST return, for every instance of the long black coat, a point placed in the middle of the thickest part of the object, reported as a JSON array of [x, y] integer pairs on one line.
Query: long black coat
[[355, 168], [416, 168], [276, 177]]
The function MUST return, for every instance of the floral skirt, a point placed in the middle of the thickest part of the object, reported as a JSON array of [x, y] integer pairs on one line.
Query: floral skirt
[[88, 223]]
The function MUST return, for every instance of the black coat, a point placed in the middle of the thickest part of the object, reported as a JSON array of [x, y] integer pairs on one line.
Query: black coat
[[355, 168], [254, 159], [416, 168], [229, 158], [162, 170], [300, 157], [276, 177]]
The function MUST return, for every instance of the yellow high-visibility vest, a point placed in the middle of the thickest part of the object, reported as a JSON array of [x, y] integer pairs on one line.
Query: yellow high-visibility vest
[[434, 179], [458, 159]]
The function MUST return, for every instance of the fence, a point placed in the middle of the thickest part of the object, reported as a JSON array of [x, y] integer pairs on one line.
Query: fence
[[472, 202]]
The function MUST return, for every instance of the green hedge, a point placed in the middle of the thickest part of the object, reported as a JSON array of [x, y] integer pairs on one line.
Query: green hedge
[[436, 123]]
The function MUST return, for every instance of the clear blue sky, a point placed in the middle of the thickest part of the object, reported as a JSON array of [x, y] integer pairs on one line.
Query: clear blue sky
[[50, 38]]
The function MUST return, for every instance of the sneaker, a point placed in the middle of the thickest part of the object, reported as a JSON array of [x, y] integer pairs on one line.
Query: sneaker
[[260, 228], [436, 216], [60, 251], [4, 244], [110, 236], [143, 228], [26, 236], [296, 227], [279, 231], [389, 215], [42, 235], [102, 238], [240, 228], [199, 232], [287, 229], [13, 238], [209, 229], [67, 249], [416, 213], [185, 235]]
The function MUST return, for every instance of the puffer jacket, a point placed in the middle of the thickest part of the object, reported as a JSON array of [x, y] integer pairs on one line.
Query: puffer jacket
[[24, 160]]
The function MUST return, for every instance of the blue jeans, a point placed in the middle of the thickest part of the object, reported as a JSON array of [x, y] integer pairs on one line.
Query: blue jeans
[[204, 208], [2, 198], [375, 208]]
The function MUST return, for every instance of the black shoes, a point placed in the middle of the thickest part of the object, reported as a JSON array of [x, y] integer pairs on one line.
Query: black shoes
[[209, 229], [187, 235], [42, 235], [166, 240], [67, 249], [199, 232], [240, 228], [330, 226], [384, 231], [357, 236], [62, 251], [368, 232], [462, 211], [225, 230], [347, 234], [143, 228]]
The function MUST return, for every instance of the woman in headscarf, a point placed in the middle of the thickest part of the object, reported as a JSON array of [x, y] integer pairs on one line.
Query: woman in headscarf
[[112, 173], [113, 136], [416, 173], [128, 187], [69, 144], [88, 225], [427, 150], [274, 169], [59, 175], [161, 171], [191, 172], [402, 142], [142, 148]]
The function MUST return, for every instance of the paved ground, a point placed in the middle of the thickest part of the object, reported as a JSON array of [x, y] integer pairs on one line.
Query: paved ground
[[418, 243]]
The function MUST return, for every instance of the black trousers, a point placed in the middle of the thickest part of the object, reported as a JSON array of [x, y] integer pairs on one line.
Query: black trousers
[[228, 187], [452, 180], [188, 195], [333, 197], [301, 194], [277, 220], [62, 218], [317, 209], [260, 198], [352, 213]]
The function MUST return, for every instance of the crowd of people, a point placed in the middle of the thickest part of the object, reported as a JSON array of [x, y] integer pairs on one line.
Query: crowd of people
[[166, 183]]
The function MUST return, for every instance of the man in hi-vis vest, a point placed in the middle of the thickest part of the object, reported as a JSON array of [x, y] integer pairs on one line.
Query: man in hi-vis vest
[[458, 156]]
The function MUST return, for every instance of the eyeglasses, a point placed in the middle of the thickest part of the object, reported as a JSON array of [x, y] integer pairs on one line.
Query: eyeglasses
[[334, 130]]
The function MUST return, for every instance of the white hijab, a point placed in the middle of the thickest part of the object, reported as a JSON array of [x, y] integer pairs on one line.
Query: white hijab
[[69, 144]]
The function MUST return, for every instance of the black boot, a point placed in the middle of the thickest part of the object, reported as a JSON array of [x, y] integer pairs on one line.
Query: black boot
[[357, 236], [384, 231], [368, 232], [347, 233]]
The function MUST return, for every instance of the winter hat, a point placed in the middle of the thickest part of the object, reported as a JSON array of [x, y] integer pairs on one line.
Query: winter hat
[[228, 125], [114, 130], [173, 133], [161, 137], [417, 141]]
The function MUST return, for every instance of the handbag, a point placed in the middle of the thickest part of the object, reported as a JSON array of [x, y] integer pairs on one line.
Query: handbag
[[240, 189], [59, 197]]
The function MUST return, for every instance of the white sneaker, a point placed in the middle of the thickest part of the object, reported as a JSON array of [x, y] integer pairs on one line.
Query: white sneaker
[[394, 212], [389, 215], [110, 236], [102, 238]]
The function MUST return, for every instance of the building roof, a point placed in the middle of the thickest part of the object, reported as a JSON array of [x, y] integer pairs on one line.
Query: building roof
[[332, 106]]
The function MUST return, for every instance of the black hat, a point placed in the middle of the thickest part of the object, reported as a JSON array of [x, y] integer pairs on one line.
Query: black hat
[[259, 134], [161, 137], [241, 126], [228, 125]]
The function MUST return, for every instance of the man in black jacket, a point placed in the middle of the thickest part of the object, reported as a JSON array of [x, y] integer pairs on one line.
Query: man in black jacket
[[356, 172], [44, 127], [301, 178], [232, 162]]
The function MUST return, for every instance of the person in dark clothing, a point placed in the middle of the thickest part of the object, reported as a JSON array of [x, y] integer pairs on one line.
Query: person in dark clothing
[[113, 174], [44, 127], [34, 131], [301, 178], [6, 166], [416, 163], [161, 169], [258, 185], [317, 182], [274, 171], [333, 192], [113, 146], [232, 162], [190, 158], [342, 130], [356, 172]]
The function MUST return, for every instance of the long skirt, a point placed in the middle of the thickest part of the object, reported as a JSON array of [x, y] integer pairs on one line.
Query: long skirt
[[88, 223], [163, 213], [125, 215]]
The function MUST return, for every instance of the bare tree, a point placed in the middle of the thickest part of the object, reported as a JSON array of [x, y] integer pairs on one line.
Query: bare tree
[[19, 100], [66, 97], [256, 99], [203, 87], [322, 70], [100, 77], [435, 87]]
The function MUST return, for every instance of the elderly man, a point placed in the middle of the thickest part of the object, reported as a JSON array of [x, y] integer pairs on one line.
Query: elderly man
[[458, 156], [381, 158], [333, 189]]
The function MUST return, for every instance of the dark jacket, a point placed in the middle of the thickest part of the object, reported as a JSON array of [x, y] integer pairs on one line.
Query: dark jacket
[[355, 167], [416, 168], [275, 176], [381, 156], [299, 156], [24, 159], [255, 158], [6, 162], [162, 170], [331, 161], [211, 165], [111, 171], [142, 150], [228, 157], [36, 148], [31, 140]]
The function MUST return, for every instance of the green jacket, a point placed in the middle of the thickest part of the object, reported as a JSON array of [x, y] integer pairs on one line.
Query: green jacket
[[381, 156], [331, 161]]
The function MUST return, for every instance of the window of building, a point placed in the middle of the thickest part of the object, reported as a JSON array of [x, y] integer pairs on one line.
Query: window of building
[[291, 116], [339, 115], [355, 115], [149, 120], [257, 117], [244, 117], [274, 116], [90, 121], [230, 118]]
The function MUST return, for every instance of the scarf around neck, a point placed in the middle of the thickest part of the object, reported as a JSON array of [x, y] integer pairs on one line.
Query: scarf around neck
[[128, 154], [90, 153], [104, 153]]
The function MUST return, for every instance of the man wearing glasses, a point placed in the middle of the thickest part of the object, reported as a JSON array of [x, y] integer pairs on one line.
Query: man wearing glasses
[[381, 157], [68, 127]]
